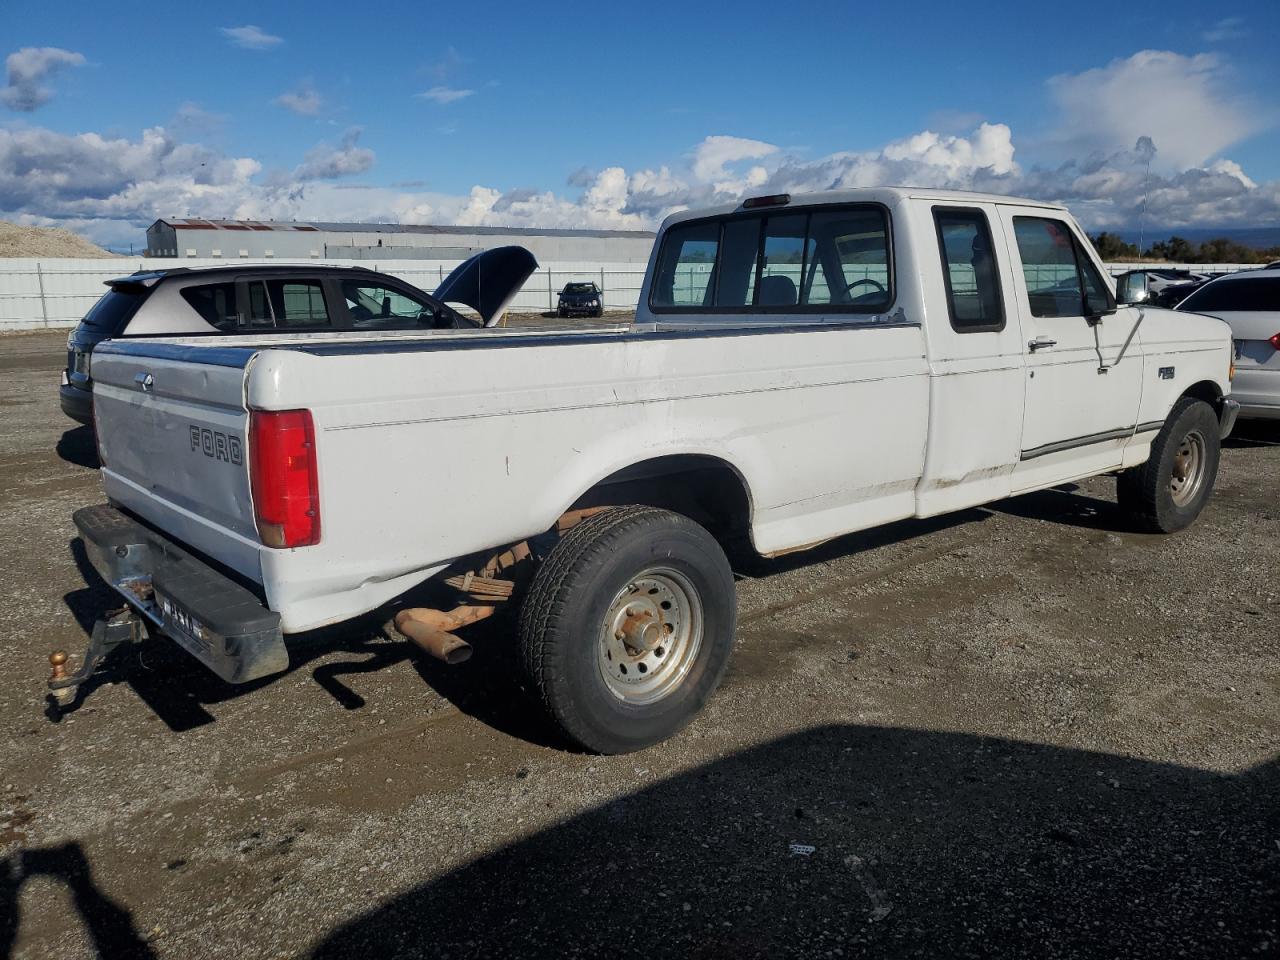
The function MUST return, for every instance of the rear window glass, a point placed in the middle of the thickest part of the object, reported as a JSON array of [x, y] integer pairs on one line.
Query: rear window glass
[[110, 314], [1254, 293], [791, 261]]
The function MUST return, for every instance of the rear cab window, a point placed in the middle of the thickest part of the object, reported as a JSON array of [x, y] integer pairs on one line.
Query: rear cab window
[[800, 260], [286, 303]]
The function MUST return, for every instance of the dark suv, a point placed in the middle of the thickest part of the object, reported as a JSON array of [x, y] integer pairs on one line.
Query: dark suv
[[582, 299], [269, 299]]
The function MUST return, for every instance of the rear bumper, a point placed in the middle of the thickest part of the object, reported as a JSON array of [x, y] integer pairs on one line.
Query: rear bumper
[[219, 622], [76, 403]]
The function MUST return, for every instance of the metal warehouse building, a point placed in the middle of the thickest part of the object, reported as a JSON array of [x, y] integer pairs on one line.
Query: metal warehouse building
[[253, 239]]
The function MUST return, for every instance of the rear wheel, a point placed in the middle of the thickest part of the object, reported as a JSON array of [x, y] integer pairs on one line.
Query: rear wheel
[[1167, 493], [628, 627]]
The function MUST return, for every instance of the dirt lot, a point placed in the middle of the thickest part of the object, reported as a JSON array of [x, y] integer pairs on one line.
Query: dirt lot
[[1018, 731]]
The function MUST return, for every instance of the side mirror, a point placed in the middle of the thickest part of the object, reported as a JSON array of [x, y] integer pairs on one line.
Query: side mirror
[[1133, 288]]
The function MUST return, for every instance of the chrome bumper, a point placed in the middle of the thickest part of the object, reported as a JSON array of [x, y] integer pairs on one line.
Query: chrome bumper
[[1227, 416]]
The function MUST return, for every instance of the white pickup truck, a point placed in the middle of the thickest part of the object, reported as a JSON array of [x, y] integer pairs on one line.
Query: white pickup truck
[[799, 367]]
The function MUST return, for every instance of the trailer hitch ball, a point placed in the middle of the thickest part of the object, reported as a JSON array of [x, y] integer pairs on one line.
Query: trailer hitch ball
[[62, 694]]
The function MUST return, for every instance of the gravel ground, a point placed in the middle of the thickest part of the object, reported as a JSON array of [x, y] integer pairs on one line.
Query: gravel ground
[[1016, 731]]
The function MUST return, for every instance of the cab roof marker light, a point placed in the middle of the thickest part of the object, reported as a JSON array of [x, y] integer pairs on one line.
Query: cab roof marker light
[[772, 200]]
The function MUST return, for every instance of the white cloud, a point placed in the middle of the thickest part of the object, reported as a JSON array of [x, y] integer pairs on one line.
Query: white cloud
[[304, 101], [1182, 103], [251, 37], [442, 94], [1228, 28], [327, 162], [26, 71], [118, 185]]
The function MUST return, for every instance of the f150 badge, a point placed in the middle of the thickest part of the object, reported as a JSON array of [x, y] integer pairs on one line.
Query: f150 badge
[[217, 445]]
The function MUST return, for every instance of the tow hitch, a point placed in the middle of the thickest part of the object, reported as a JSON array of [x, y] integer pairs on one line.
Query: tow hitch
[[117, 627]]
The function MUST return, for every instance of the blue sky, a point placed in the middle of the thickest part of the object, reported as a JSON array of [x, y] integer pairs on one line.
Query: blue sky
[[599, 114]]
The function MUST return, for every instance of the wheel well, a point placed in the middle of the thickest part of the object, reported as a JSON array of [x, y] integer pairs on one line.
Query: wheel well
[[1205, 390], [703, 488]]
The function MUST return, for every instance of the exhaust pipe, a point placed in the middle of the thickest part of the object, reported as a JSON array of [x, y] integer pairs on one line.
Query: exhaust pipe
[[431, 629]]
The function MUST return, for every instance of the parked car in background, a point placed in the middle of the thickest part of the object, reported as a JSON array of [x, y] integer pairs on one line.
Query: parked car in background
[[580, 299], [1165, 288], [279, 298], [800, 368], [1250, 304]]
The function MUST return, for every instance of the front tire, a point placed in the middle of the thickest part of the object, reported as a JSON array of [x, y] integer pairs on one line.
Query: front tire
[[628, 627], [1167, 493]]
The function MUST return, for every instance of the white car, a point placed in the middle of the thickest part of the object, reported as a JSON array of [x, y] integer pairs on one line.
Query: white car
[[1250, 304], [799, 368]]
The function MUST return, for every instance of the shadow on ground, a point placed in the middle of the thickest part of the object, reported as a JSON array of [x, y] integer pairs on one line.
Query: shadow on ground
[[1254, 433], [915, 844], [78, 446], [110, 927]]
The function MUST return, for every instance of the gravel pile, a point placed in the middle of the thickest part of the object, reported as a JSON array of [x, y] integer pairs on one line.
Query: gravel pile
[[19, 241]]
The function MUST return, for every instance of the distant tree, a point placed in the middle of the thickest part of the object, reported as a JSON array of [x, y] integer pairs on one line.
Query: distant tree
[[1111, 247]]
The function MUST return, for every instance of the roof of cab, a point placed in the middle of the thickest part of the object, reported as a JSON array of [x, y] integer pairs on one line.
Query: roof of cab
[[889, 196], [149, 278]]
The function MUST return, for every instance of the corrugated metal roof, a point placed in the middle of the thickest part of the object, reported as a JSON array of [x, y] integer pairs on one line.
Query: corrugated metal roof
[[329, 227]]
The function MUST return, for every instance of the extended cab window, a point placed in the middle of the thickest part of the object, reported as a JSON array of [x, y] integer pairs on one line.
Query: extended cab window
[[1061, 279], [374, 306], [215, 302], [821, 261], [969, 270]]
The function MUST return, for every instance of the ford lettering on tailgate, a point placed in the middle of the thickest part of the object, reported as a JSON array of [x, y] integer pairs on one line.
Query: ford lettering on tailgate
[[217, 445]]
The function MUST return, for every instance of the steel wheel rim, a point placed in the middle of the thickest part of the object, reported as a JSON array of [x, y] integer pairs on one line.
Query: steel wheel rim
[[1187, 475], [650, 636]]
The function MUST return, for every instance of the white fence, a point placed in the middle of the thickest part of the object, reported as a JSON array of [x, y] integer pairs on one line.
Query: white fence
[[50, 292]]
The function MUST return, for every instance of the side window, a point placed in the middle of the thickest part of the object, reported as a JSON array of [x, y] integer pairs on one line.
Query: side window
[[1061, 280], [298, 303], [848, 260], [215, 302], [969, 270], [376, 307], [686, 266]]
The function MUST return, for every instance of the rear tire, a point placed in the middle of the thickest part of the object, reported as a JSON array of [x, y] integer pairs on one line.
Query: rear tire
[[628, 627], [1167, 493]]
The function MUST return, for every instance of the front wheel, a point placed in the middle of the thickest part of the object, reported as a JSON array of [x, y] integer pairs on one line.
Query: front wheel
[[628, 627], [1167, 493]]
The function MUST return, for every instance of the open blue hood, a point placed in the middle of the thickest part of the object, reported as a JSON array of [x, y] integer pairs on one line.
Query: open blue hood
[[488, 281]]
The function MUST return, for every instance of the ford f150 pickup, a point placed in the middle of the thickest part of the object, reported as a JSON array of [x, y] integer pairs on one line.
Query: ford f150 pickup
[[799, 368]]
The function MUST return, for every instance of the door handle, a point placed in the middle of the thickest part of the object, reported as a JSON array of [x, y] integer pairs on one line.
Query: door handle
[[1041, 343], [144, 381]]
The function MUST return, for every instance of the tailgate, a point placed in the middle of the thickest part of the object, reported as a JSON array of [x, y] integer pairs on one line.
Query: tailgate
[[172, 430]]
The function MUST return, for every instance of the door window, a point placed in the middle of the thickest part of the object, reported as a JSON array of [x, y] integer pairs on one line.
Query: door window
[[1061, 280], [969, 270], [287, 303], [375, 306]]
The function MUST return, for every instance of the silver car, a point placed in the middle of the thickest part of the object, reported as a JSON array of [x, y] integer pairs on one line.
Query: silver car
[[1250, 304]]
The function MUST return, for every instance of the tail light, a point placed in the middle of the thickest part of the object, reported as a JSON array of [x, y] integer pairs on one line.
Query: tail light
[[282, 472], [1275, 341]]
